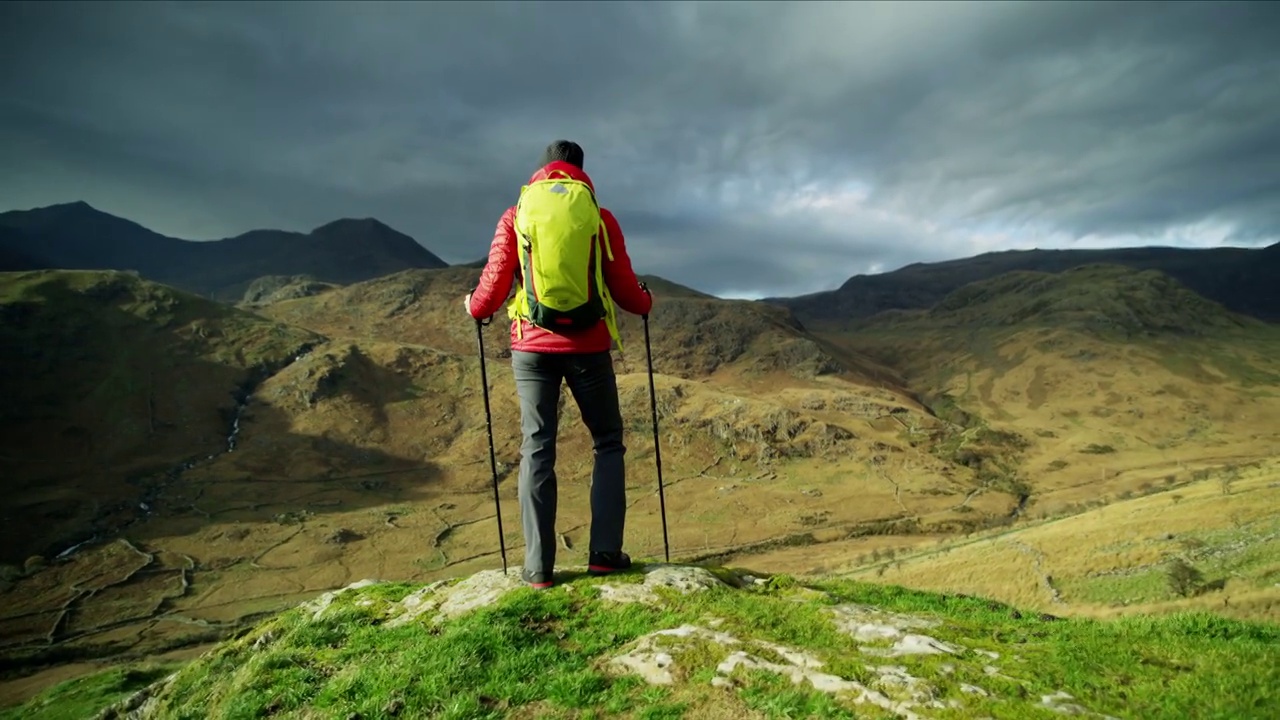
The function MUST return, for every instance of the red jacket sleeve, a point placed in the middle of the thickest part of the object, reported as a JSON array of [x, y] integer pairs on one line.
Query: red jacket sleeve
[[618, 275], [499, 272]]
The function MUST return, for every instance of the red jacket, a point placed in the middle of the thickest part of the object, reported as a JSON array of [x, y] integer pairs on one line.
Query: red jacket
[[499, 273]]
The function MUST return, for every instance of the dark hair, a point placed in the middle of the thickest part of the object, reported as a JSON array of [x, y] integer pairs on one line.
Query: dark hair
[[563, 151]]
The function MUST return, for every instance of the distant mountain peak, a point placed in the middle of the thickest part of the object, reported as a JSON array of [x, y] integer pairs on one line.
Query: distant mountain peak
[[78, 209], [78, 214], [367, 224], [363, 230]]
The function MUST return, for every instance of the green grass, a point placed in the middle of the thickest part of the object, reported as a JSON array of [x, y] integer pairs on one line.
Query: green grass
[[1249, 553], [82, 697], [1136, 667], [1147, 585], [776, 696], [1244, 371], [1259, 562], [546, 651], [1186, 365]]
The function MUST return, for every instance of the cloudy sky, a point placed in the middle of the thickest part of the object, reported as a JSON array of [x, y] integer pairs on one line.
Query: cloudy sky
[[775, 148]]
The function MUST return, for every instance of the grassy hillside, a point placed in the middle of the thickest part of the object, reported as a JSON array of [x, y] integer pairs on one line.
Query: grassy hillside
[[1110, 375], [231, 464], [1211, 542], [236, 464], [419, 307], [1206, 540], [1117, 384], [1107, 301], [675, 642], [110, 381], [692, 334]]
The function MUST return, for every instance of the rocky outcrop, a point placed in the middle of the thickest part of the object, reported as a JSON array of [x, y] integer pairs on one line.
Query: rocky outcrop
[[709, 634], [275, 288]]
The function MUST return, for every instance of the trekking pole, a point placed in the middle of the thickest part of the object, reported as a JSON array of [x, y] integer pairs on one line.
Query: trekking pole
[[488, 420], [657, 448]]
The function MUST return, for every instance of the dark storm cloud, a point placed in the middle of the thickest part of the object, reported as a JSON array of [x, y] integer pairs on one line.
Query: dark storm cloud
[[753, 148]]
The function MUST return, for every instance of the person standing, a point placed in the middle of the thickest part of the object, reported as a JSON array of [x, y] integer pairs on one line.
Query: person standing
[[570, 261]]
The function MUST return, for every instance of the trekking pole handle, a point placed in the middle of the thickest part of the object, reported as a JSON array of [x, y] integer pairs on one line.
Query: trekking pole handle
[[479, 321]]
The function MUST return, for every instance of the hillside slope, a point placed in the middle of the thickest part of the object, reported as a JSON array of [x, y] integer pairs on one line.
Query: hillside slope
[[692, 334], [78, 236], [1106, 371], [223, 464], [109, 379], [217, 464], [1241, 279], [1202, 541], [1103, 300]]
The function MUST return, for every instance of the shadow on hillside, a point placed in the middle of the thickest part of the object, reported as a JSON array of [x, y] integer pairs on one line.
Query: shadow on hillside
[[146, 439], [203, 511], [271, 473]]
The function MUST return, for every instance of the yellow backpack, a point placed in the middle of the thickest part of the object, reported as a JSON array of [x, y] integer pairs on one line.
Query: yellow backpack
[[559, 232]]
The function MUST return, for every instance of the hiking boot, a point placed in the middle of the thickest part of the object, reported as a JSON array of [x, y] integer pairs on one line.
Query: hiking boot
[[603, 563], [537, 580]]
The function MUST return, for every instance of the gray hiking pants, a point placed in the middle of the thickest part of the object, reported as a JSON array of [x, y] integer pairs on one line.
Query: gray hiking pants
[[591, 381]]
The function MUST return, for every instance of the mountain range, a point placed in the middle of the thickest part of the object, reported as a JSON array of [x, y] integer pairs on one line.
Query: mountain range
[[78, 236], [1242, 279]]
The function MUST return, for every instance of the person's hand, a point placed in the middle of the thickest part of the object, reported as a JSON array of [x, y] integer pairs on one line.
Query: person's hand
[[466, 303]]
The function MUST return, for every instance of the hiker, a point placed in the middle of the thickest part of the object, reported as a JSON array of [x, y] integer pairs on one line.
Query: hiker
[[574, 346]]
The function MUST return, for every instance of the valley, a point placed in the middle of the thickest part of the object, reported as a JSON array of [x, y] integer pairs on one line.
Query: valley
[[178, 468]]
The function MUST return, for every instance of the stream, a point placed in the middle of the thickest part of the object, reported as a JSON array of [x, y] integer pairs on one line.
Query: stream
[[71, 550], [155, 485], [241, 405]]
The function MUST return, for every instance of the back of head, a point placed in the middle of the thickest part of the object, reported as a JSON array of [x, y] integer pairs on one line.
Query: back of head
[[563, 151]]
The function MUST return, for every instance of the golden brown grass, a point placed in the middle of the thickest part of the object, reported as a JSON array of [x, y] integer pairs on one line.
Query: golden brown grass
[[367, 458], [1067, 566], [692, 334]]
